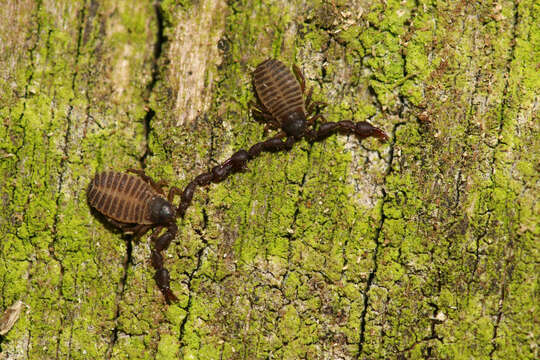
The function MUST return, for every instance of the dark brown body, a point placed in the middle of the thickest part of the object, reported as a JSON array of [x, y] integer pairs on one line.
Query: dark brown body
[[281, 95], [281, 106], [122, 197], [135, 204]]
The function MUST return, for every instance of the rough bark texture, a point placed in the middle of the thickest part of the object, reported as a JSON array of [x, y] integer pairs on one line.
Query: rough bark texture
[[424, 247]]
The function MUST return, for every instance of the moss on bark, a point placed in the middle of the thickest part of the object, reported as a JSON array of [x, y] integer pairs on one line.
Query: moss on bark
[[424, 247]]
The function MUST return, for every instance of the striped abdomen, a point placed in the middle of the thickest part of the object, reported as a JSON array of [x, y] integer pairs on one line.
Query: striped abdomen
[[278, 90], [121, 197]]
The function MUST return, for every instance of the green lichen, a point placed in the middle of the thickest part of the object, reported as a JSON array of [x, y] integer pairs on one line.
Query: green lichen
[[167, 348], [280, 260]]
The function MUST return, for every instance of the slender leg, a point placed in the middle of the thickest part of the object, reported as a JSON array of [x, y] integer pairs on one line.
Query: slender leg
[[136, 230], [310, 106], [311, 121], [361, 129], [126, 228], [159, 186], [264, 116], [173, 191], [142, 174], [140, 231], [237, 162], [313, 105], [269, 122], [258, 107], [307, 102], [300, 77]]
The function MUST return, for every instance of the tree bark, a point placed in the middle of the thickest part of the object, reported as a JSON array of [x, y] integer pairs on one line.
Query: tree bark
[[423, 247]]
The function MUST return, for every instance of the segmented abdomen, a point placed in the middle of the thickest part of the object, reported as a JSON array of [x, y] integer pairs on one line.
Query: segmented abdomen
[[121, 197], [278, 89]]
